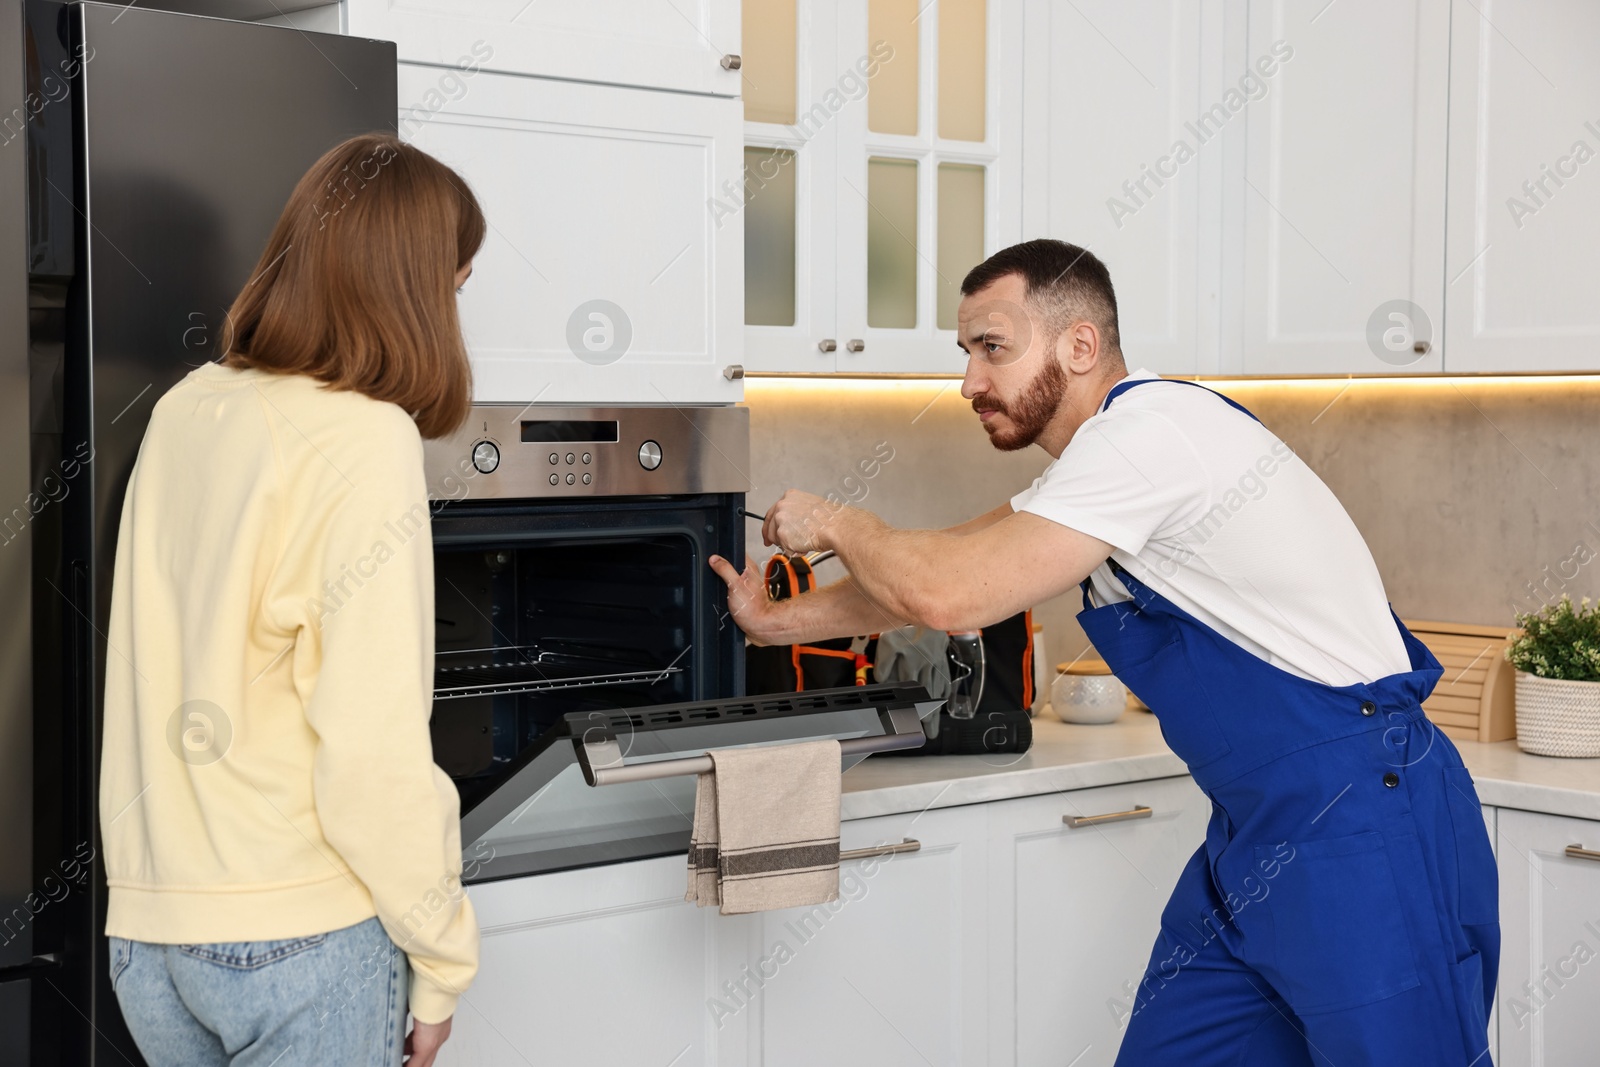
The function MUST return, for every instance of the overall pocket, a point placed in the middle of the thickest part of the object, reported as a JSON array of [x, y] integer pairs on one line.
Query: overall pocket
[[1339, 930], [121, 951], [251, 955]]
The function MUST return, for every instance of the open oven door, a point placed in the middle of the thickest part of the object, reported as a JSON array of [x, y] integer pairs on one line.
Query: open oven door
[[594, 788]]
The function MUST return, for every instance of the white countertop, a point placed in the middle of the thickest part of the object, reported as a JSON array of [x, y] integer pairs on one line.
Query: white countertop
[[1067, 757]]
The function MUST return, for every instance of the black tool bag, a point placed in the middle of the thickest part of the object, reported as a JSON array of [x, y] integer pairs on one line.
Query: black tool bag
[[790, 668]]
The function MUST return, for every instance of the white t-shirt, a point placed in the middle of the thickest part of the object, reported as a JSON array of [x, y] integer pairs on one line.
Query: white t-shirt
[[1210, 509]]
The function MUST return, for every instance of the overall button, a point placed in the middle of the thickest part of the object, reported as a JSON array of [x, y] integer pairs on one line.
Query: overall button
[[1368, 708], [1391, 779]]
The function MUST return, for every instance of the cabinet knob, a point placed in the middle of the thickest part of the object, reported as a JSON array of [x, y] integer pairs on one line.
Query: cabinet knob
[[733, 371], [827, 344], [855, 344], [731, 62], [1421, 348]]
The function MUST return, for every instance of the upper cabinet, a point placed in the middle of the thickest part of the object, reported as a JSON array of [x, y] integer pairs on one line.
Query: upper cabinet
[[688, 45], [1524, 238], [607, 274], [1341, 193], [1112, 166], [883, 162]]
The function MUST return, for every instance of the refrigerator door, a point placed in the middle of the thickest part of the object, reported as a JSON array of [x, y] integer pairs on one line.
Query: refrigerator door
[[160, 157]]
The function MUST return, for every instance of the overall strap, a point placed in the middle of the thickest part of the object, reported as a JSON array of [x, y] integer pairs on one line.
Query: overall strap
[[1126, 384]]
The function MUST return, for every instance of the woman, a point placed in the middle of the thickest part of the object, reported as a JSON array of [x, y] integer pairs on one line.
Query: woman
[[283, 857]]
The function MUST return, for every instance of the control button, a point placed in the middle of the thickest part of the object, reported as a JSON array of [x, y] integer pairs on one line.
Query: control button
[[650, 455], [1391, 779], [571, 458], [587, 478], [554, 458], [1368, 708], [485, 457], [569, 478], [555, 479], [587, 457]]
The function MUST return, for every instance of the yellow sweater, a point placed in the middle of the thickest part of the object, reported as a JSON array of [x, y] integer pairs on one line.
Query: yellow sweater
[[267, 771]]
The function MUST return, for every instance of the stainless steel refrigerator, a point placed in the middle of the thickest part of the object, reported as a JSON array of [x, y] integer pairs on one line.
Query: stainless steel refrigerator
[[144, 156]]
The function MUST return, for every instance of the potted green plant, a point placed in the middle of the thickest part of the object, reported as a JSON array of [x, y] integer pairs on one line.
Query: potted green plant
[[1557, 657]]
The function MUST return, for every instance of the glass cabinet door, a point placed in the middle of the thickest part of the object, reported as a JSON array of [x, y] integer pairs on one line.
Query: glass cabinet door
[[792, 98]]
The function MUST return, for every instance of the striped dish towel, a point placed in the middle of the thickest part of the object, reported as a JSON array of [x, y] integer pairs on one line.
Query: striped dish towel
[[766, 828]]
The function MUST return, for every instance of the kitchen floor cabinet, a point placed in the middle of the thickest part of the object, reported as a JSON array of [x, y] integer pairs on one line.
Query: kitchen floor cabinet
[[895, 972], [1074, 912], [655, 44], [605, 276], [1549, 989], [1524, 199]]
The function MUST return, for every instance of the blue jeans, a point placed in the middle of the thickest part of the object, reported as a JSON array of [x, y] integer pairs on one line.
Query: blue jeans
[[334, 998]]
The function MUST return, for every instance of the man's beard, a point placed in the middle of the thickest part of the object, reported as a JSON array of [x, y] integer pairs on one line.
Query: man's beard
[[1029, 413]]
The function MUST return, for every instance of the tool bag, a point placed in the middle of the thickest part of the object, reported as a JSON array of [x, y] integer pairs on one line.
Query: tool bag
[[790, 668]]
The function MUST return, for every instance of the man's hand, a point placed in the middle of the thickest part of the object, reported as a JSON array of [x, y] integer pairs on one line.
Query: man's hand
[[422, 1043], [801, 522], [752, 608]]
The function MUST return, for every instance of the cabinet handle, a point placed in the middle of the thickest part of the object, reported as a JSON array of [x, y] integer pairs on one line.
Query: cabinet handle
[[732, 62], [1578, 852], [1139, 811], [827, 344], [909, 844], [855, 345]]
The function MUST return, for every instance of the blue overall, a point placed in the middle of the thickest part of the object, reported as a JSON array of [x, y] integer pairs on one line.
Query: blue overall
[[1343, 910]]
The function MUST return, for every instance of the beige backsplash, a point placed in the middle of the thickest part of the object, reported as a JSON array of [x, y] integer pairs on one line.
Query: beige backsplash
[[1471, 492]]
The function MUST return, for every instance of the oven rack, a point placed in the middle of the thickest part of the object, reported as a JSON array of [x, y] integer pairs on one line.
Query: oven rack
[[542, 671]]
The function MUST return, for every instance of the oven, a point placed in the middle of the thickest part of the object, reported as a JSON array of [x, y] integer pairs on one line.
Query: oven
[[577, 620]]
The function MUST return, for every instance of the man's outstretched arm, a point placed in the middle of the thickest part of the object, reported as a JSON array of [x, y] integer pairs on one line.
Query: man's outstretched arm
[[937, 578], [836, 610]]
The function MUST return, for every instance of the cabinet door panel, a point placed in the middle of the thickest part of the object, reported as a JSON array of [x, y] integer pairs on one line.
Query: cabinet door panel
[[593, 194], [568, 958], [1080, 908], [1106, 123], [1342, 192], [893, 973], [665, 44], [1549, 990], [1524, 241]]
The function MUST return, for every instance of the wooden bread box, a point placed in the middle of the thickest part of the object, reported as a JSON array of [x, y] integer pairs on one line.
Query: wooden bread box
[[1475, 697]]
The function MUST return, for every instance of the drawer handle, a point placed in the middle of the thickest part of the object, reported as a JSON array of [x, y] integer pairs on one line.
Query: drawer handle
[[909, 844], [1139, 811], [1578, 852]]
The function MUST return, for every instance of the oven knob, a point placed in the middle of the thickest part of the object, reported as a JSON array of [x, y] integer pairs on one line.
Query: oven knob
[[650, 455], [485, 457]]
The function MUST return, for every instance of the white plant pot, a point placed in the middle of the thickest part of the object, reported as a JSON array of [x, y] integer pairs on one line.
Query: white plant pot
[[1088, 698], [1556, 717]]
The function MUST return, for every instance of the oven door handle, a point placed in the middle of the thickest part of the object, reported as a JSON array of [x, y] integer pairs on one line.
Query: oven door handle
[[600, 756]]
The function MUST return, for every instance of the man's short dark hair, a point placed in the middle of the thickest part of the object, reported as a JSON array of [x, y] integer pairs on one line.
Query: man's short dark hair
[[1065, 283]]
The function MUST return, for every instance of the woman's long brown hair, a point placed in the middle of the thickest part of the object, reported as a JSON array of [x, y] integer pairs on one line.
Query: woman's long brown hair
[[356, 285]]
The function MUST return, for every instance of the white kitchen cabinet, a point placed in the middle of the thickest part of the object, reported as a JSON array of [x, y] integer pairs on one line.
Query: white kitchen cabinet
[[895, 972], [1104, 171], [887, 215], [1549, 989], [1524, 198], [1074, 913], [592, 968], [658, 44], [604, 276], [1342, 188]]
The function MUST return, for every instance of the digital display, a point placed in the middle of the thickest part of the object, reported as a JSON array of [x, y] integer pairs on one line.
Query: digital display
[[578, 430]]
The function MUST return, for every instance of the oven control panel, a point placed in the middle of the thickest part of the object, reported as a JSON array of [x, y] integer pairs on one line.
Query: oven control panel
[[514, 451]]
